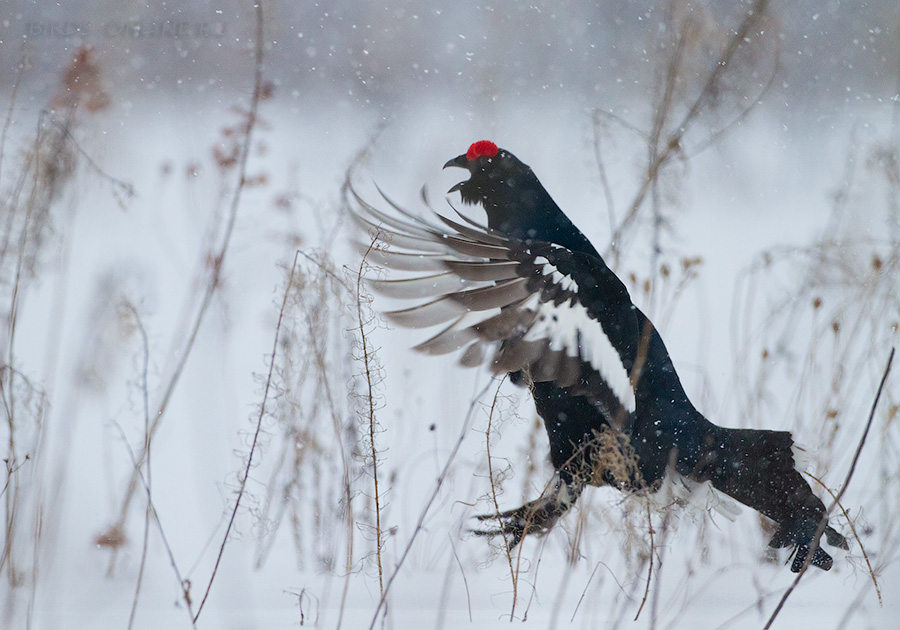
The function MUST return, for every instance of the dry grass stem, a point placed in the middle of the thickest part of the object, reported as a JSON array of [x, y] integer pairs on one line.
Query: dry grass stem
[[513, 573], [431, 499], [214, 280], [370, 366], [666, 139], [820, 530], [183, 583], [256, 434], [649, 565], [855, 535], [145, 404]]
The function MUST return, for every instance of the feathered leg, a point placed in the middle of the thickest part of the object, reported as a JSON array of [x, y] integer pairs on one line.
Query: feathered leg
[[535, 517], [758, 468]]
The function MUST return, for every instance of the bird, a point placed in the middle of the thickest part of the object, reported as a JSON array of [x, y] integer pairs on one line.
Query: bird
[[528, 295]]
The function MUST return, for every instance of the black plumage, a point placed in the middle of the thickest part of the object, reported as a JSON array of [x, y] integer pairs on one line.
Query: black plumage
[[531, 296]]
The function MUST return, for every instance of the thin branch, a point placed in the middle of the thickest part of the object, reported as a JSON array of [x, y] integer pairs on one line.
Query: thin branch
[[326, 270], [650, 567], [185, 584], [145, 365], [117, 184], [437, 488], [584, 592], [716, 135], [259, 423], [855, 536], [601, 168], [367, 359], [662, 152], [217, 261], [513, 574], [824, 522], [465, 580], [446, 590], [9, 111]]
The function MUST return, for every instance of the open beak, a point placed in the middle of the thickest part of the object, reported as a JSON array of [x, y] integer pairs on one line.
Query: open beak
[[460, 161]]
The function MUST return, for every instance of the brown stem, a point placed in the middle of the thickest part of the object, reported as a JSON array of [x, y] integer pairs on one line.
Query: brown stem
[[259, 422], [824, 522], [217, 266]]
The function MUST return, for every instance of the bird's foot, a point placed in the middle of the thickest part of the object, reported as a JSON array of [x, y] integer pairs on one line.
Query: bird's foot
[[785, 537], [535, 517], [820, 559]]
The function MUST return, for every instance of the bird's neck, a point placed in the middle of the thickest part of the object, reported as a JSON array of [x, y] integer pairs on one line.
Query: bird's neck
[[528, 213]]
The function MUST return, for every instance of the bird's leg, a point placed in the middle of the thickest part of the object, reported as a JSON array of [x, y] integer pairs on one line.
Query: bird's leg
[[535, 517]]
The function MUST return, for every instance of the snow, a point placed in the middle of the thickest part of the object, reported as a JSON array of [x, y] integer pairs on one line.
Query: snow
[[771, 181]]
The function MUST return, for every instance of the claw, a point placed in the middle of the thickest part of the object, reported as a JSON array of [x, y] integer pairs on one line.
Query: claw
[[535, 517], [503, 515], [820, 559], [513, 532]]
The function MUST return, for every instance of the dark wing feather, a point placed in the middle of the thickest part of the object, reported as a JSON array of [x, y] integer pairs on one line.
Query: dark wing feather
[[531, 307], [566, 322]]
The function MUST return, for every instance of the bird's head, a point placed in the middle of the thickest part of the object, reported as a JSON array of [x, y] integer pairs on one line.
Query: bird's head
[[497, 180], [516, 203]]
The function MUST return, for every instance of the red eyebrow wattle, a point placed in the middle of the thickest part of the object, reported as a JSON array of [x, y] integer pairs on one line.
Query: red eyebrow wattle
[[482, 148]]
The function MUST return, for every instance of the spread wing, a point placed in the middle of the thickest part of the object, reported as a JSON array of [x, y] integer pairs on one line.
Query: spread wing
[[519, 306]]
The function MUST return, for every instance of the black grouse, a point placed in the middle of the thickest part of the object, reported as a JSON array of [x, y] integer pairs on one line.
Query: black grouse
[[530, 295]]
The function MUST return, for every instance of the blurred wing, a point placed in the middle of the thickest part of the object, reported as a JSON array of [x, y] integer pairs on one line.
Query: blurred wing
[[533, 307]]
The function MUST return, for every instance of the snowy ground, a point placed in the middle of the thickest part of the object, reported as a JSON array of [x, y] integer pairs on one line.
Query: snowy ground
[[771, 182]]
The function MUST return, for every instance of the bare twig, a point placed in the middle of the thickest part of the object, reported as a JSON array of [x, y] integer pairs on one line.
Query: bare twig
[[649, 567], [9, 111], [184, 583], [584, 592], [259, 422], [661, 544], [445, 590], [326, 270], [601, 168], [368, 368], [218, 259], [664, 146], [513, 574], [117, 184], [145, 364], [465, 580], [819, 531], [855, 536], [437, 488]]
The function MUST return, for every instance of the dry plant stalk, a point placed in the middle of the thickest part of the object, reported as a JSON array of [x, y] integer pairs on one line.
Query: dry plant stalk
[[148, 477], [261, 91], [439, 483], [855, 535], [371, 374], [116, 539], [309, 464], [256, 434], [513, 572], [38, 183], [837, 499], [665, 141]]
